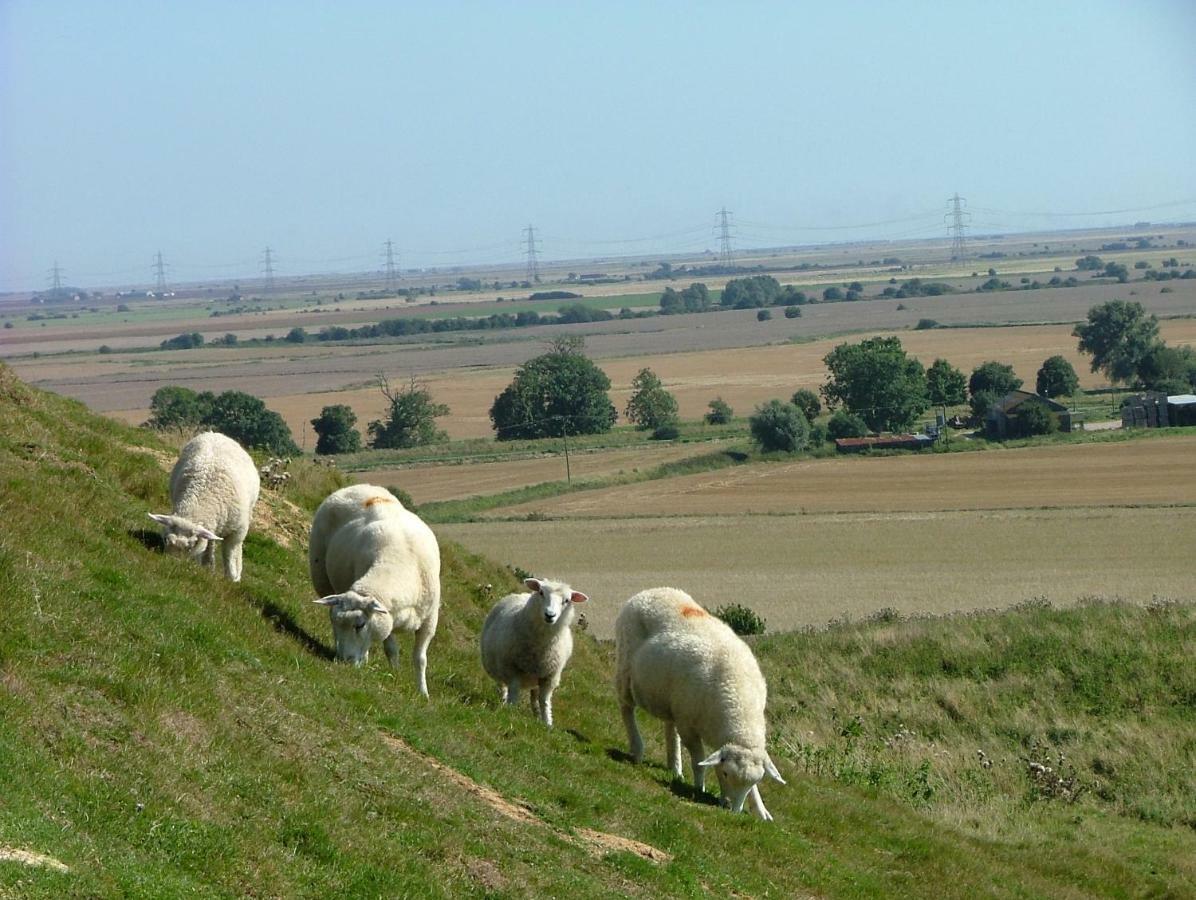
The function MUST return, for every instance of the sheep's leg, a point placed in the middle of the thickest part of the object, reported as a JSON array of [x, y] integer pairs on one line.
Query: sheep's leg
[[672, 749], [423, 637], [502, 693], [694, 746], [391, 645], [757, 804], [635, 743], [209, 555], [546, 689], [533, 697], [511, 692], [232, 558]]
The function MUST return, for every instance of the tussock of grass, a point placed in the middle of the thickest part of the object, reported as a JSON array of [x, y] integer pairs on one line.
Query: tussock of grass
[[164, 732]]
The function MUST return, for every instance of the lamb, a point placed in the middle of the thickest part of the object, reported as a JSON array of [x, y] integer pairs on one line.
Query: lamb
[[690, 669], [527, 640], [213, 489], [376, 566]]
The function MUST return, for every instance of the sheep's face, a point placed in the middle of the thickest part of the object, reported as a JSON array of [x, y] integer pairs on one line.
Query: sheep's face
[[182, 537], [556, 599], [739, 770], [357, 622]]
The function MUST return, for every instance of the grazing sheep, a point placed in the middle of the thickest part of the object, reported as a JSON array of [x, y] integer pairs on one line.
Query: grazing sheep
[[376, 566], [687, 667], [526, 641], [213, 489]]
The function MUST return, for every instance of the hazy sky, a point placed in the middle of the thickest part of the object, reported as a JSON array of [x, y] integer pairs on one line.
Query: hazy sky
[[209, 130]]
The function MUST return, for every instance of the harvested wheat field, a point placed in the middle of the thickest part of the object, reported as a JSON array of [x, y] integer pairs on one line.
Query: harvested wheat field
[[806, 570], [1123, 473], [428, 483]]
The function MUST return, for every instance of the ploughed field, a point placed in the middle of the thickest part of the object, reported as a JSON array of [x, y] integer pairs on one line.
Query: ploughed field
[[806, 542]]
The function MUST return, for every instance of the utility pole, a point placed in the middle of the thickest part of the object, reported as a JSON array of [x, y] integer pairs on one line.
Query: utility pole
[[56, 274], [726, 256], [268, 268], [533, 265], [160, 274], [957, 214], [392, 269]]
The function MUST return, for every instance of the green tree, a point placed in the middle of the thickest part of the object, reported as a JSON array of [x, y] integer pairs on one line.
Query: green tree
[[178, 407], [650, 406], [994, 378], [792, 312], [1120, 336], [807, 401], [1033, 417], [245, 419], [1170, 369], [763, 315], [945, 384], [982, 401], [844, 424], [560, 391], [831, 294], [720, 412], [1090, 263], [877, 381], [410, 420], [334, 426], [1056, 378], [779, 426], [296, 335]]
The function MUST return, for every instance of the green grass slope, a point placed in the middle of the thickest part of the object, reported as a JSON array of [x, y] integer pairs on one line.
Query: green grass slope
[[165, 733]]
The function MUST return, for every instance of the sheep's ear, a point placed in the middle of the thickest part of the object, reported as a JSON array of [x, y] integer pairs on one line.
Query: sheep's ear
[[330, 600], [208, 534], [159, 518], [532, 584], [713, 759], [378, 608], [578, 597], [772, 769]]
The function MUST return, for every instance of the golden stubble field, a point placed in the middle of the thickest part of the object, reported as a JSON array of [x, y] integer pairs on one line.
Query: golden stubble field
[[803, 543]]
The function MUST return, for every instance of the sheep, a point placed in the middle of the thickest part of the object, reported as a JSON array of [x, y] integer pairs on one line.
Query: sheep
[[213, 489], [376, 566], [526, 641], [687, 667]]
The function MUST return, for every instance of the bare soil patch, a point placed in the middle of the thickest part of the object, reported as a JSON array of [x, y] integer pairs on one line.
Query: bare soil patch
[[32, 858]]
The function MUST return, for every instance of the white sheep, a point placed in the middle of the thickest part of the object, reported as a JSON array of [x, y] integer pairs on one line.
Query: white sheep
[[376, 567], [213, 489], [687, 667], [526, 642]]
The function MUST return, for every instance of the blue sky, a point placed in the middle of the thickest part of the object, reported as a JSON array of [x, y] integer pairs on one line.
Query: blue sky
[[211, 130]]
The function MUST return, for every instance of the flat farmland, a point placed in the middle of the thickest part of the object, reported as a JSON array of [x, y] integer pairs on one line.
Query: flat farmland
[[1112, 473], [429, 483]]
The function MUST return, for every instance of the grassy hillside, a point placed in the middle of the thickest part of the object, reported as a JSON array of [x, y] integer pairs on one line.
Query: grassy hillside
[[166, 733]]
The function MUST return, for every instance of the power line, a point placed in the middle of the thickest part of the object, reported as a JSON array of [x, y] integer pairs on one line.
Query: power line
[[533, 265], [56, 274], [957, 215], [392, 271], [160, 274], [726, 257], [268, 268]]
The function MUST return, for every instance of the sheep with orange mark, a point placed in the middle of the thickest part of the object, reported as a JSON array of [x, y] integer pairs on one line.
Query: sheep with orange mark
[[376, 566], [527, 640], [213, 488], [689, 669]]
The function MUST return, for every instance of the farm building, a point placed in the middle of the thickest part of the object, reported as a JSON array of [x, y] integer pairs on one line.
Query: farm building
[[884, 442], [1154, 409], [1001, 419]]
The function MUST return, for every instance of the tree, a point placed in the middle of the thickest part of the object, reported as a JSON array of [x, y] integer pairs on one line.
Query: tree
[[650, 406], [296, 335], [559, 392], [720, 412], [1117, 270], [777, 425], [807, 401], [763, 315], [245, 419], [1090, 263], [1119, 335], [410, 420], [792, 312], [945, 384], [751, 293], [831, 294], [336, 432], [178, 407], [846, 425], [994, 378], [1170, 369], [982, 402], [877, 381], [1056, 378], [1033, 417]]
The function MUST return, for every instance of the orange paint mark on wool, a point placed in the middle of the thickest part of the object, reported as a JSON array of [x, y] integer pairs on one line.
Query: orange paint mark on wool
[[370, 502], [693, 612]]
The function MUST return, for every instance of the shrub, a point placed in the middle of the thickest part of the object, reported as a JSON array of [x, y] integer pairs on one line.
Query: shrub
[[667, 432], [336, 434], [807, 401], [720, 412], [742, 619], [1033, 418], [410, 420], [982, 401], [792, 312], [763, 315], [779, 426], [296, 335], [926, 325], [844, 424], [1056, 378]]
